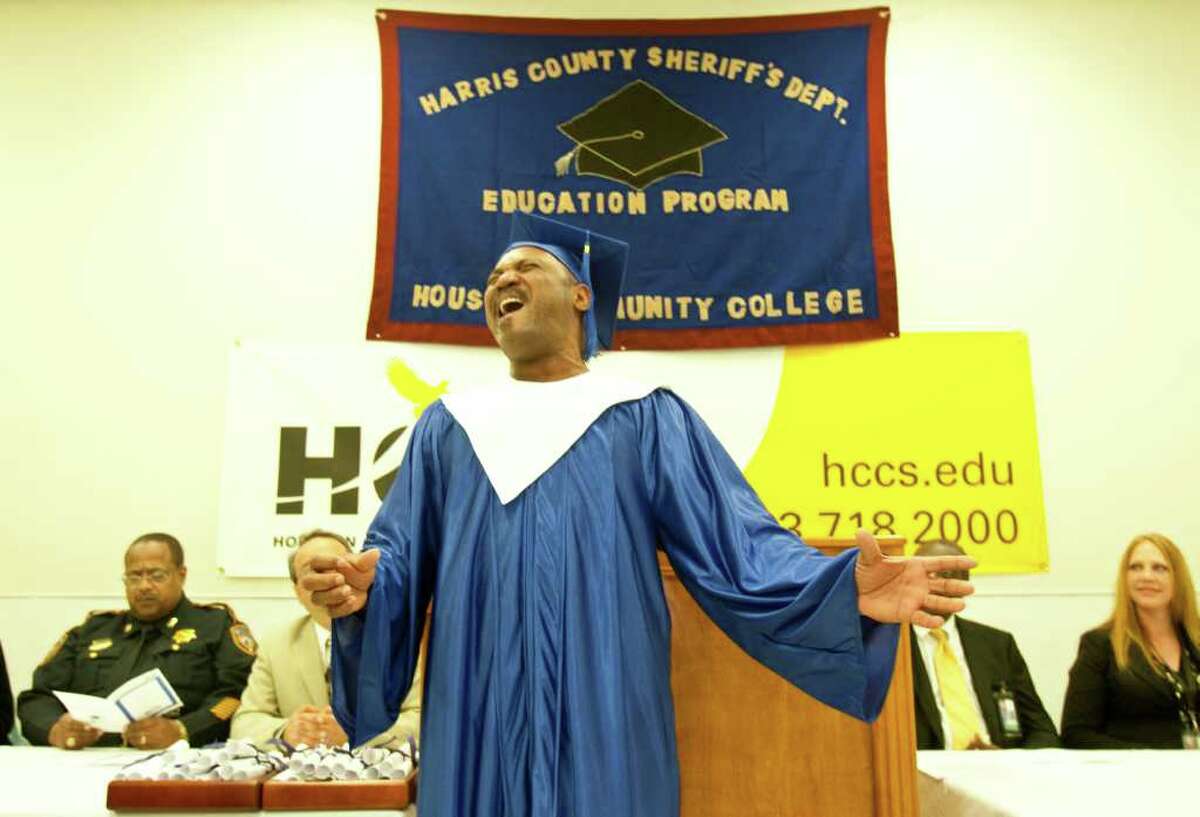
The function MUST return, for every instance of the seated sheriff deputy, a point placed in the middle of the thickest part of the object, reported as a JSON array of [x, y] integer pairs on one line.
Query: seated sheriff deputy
[[288, 693], [972, 687], [202, 649]]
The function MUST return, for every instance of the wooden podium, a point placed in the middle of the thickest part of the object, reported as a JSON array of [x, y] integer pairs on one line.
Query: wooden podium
[[753, 745]]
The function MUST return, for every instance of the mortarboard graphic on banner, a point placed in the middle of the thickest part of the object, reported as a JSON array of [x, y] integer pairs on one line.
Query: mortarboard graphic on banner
[[665, 138], [742, 160]]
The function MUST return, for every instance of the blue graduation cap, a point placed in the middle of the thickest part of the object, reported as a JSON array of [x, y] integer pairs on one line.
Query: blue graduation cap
[[594, 259]]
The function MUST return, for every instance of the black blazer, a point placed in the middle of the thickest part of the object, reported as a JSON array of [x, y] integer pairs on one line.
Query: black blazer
[[992, 657], [1104, 708], [6, 702]]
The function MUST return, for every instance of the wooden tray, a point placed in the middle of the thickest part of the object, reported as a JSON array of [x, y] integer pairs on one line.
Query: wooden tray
[[184, 795], [339, 795]]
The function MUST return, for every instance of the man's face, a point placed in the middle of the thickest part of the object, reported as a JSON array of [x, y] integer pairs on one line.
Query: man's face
[[533, 306], [317, 546], [943, 549], [153, 582]]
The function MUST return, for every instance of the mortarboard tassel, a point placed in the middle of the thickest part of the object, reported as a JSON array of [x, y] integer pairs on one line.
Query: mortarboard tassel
[[562, 165], [591, 339]]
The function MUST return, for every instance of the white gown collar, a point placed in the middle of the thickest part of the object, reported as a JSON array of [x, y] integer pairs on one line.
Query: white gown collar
[[520, 428]]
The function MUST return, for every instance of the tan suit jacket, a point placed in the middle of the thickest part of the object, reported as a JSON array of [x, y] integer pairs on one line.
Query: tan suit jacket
[[289, 673]]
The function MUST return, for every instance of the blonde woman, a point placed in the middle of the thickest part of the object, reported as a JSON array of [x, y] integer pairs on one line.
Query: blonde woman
[[1136, 681]]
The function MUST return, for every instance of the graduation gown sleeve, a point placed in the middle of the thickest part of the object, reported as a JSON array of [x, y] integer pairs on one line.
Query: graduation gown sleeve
[[375, 651], [784, 603]]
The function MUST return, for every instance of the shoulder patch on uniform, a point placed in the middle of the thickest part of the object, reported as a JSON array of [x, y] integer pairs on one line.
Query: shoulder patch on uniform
[[58, 645], [94, 613], [225, 708], [242, 639], [219, 605]]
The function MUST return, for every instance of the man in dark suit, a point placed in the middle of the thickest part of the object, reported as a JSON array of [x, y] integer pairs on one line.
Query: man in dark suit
[[972, 687]]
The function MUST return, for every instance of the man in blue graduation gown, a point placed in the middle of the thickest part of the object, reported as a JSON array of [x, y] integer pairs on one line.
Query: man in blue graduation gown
[[531, 514]]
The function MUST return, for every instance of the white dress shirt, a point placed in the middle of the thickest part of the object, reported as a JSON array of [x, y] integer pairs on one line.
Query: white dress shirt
[[325, 642], [928, 646]]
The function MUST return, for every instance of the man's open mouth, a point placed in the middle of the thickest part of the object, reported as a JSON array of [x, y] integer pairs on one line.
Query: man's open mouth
[[509, 305]]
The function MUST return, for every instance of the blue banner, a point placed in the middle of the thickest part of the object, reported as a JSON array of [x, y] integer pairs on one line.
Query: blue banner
[[744, 161]]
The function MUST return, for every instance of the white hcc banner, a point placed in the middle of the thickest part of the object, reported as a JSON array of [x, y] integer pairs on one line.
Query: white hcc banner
[[315, 432]]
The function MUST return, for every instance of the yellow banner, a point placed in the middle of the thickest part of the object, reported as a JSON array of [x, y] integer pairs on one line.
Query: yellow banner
[[926, 436]]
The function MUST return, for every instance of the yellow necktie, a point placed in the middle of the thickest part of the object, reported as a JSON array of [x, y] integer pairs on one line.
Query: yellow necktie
[[956, 698]]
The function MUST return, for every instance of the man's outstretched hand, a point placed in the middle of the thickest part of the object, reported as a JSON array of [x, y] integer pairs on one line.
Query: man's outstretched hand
[[340, 583], [904, 590]]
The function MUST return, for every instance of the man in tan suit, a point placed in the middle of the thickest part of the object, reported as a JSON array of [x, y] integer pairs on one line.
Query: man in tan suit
[[287, 695]]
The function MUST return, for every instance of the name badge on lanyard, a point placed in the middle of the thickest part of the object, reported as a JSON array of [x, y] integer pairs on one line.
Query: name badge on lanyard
[[1191, 738], [1184, 684], [1010, 722]]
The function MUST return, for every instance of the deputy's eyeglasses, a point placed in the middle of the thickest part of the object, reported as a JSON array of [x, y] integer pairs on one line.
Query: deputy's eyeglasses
[[153, 576]]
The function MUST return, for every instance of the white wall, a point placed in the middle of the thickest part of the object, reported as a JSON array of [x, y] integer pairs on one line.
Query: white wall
[[177, 175]]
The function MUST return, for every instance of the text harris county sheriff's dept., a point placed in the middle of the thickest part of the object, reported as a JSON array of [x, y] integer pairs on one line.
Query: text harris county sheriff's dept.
[[789, 303], [635, 202]]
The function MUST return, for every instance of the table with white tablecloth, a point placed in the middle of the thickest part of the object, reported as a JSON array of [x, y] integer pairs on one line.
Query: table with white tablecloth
[[36, 781], [1057, 783]]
